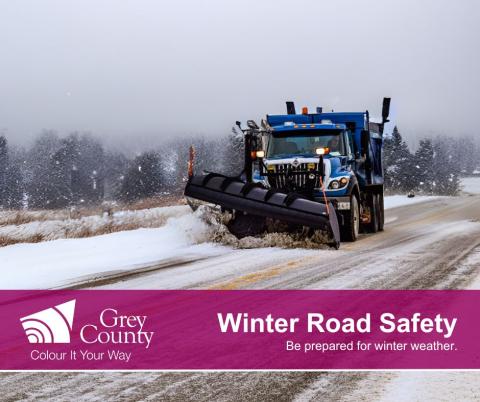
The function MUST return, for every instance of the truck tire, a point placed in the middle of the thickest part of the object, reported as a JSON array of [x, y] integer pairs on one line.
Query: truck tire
[[374, 206], [381, 213], [351, 225]]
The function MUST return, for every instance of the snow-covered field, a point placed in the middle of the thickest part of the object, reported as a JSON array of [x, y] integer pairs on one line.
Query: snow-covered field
[[471, 185]]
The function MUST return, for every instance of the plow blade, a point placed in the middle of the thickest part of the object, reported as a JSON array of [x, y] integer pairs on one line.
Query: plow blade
[[254, 199]]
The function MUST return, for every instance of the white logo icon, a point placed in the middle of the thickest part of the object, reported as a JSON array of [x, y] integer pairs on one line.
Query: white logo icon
[[295, 163], [52, 325]]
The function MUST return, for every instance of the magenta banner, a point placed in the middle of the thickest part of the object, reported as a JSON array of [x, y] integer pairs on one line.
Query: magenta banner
[[245, 329]]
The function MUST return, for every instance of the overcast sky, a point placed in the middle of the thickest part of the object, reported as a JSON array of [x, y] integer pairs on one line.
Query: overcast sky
[[155, 69]]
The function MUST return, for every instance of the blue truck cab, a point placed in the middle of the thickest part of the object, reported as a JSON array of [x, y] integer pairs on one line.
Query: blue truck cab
[[333, 158]]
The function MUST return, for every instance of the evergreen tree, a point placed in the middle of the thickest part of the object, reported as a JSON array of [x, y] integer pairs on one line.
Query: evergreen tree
[[3, 170], [116, 166], [66, 172], [466, 153], [233, 153], [11, 178], [143, 178], [424, 171], [90, 170], [39, 186], [16, 173], [398, 164], [446, 169]]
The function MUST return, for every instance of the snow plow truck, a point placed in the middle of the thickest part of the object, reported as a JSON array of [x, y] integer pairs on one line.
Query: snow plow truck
[[306, 171]]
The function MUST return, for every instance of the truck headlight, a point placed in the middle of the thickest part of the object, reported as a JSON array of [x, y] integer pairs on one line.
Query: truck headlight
[[334, 184], [338, 183]]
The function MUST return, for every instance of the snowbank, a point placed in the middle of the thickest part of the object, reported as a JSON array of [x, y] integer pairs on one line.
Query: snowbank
[[470, 185], [394, 201], [188, 236], [52, 263]]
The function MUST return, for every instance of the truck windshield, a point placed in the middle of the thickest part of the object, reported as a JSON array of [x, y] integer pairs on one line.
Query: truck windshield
[[292, 143]]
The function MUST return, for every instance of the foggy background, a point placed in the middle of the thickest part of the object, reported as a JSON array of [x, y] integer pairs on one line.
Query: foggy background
[[140, 72]]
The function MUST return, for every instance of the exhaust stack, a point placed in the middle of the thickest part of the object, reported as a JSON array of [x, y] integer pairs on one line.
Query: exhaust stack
[[385, 113], [291, 108]]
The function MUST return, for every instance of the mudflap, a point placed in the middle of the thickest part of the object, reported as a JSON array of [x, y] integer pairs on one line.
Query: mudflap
[[253, 198]]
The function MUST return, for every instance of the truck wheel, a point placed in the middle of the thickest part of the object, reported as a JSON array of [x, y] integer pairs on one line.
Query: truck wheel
[[351, 227], [381, 213], [372, 227]]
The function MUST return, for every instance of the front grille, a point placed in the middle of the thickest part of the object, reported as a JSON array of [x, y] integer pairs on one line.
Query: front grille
[[277, 177]]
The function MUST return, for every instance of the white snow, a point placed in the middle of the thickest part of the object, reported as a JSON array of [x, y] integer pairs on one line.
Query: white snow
[[52, 263], [394, 201], [473, 260], [431, 386], [471, 185], [59, 261]]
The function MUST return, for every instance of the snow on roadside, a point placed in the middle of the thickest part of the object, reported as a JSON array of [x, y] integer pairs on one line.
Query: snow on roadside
[[470, 184], [394, 201], [52, 263], [171, 232]]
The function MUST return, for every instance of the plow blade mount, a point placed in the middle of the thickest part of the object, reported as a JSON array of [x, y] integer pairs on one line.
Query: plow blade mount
[[254, 199]]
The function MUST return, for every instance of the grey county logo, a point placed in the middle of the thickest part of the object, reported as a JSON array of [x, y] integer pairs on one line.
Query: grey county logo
[[52, 325]]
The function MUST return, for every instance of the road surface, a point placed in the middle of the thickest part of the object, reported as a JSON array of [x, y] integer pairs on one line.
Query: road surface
[[434, 245]]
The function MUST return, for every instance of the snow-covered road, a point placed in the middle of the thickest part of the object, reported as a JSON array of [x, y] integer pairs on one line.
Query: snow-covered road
[[434, 244], [184, 236]]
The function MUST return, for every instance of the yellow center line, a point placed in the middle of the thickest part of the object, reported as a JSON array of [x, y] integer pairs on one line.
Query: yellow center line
[[254, 277]]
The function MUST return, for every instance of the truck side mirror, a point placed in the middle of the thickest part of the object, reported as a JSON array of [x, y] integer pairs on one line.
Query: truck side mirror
[[365, 142]]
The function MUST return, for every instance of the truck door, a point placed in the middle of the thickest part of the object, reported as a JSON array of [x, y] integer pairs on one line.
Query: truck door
[[349, 145]]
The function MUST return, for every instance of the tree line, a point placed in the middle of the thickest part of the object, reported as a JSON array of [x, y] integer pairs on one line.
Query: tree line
[[56, 172], [434, 168], [78, 170]]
